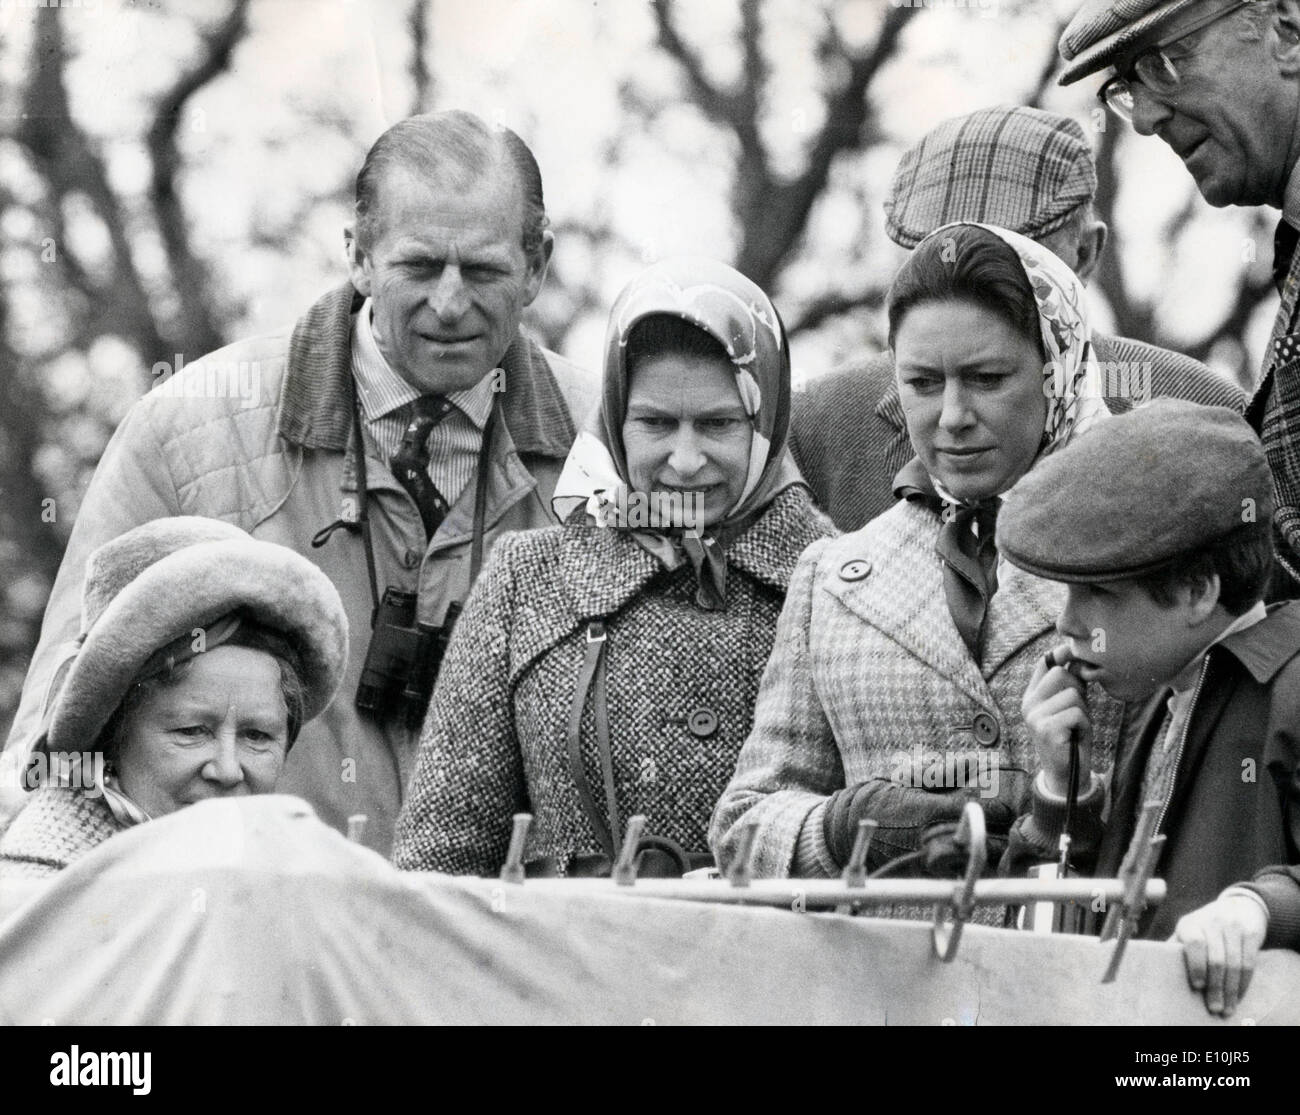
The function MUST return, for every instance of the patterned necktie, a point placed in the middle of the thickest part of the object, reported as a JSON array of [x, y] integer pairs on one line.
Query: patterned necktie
[[1285, 240], [970, 567], [410, 464]]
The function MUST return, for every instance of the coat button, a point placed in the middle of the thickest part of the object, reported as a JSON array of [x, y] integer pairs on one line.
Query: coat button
[[856, 570], [703, 722], [986, 729], [411, 559]]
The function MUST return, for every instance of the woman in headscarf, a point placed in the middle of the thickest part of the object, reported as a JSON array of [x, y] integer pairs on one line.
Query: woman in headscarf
[[608, 667], [202, 654], [904, 648]]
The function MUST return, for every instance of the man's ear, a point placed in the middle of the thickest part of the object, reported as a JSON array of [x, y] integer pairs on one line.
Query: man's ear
[[1202, 599], [1286, 27], [358, 264], [537, 267], [1092, 242]]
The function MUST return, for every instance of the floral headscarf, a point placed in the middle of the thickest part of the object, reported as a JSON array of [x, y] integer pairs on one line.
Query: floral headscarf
[[1072, 385], [739, 316], [1072, 377]]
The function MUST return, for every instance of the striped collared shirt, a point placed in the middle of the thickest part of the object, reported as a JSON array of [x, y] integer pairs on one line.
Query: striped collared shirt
[[386, 401]]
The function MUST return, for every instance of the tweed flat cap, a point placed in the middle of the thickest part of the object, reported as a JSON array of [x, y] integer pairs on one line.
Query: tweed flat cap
[[1102, 30], [1015, 167], [1135, 492]]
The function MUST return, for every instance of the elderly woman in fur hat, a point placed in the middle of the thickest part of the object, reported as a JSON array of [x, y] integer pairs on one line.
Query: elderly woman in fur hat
[[203, 653], [608, 667]]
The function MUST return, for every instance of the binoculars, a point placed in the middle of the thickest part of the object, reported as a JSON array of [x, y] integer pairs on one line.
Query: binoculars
[[403, 659]]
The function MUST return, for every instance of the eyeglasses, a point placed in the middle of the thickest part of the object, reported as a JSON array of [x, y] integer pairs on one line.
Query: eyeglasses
[[1154, 68]]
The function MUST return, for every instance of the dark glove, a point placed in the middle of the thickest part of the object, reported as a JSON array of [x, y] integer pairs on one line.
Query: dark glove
[[901, 813]]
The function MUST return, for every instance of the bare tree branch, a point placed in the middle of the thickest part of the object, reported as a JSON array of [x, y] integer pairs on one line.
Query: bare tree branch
[[778, 211], [716, 104], [70, 164], [421, 80], [189, 274], [833, 305], [1051, 66]]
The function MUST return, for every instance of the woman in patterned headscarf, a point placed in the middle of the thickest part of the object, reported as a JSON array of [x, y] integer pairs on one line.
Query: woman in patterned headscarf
[[609, 667], [904, 648]]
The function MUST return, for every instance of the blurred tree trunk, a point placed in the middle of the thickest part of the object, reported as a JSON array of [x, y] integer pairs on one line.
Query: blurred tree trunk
[[106, 295], [421, 79]]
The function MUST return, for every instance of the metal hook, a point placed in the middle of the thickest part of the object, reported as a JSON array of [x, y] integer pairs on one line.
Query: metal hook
[[1122, 919], [970, 830], [855, 872], [625, 869], [512, 871], [741, 873]]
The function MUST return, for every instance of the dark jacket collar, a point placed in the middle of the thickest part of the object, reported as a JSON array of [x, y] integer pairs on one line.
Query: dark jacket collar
[[316, 399], [604, 569], [1264, 648]]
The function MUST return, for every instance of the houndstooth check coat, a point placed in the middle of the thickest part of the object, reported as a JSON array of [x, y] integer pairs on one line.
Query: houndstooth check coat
[[495, 739], [868, 668]]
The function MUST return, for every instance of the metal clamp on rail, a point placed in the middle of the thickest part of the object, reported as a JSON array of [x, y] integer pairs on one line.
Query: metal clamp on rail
[[512, 871], [1122, 918], [624, 872], [855, 871], [742, 867], [970, 832]]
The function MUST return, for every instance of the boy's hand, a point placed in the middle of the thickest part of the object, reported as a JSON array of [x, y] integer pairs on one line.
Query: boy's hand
[[1054, 707], [1221, 942]]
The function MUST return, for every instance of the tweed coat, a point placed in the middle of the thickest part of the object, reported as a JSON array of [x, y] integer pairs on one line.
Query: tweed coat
[[848, 435], [57, 826], [495, 739], [1274, 412], [867, 668]]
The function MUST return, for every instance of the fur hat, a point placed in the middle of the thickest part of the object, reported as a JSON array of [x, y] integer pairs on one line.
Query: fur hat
[[167, 578]]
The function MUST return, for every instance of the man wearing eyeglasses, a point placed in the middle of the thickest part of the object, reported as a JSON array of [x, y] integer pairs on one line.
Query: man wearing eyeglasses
[[1219, 81]]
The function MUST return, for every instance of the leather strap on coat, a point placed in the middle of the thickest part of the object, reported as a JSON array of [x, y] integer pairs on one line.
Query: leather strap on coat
[[608, 826]]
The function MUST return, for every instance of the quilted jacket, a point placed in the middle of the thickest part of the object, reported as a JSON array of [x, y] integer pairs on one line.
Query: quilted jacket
[[681, 690]]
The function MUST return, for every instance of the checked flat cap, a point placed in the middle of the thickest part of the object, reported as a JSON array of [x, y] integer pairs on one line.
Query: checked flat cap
[[1014, 167], [1137, 491], [1103, 30]]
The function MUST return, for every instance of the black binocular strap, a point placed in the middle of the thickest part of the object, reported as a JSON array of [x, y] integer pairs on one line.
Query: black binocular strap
[[363, 514], [608, 831], [480, 500]]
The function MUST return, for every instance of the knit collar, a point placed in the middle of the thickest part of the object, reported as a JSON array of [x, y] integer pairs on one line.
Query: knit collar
[[316, 399]]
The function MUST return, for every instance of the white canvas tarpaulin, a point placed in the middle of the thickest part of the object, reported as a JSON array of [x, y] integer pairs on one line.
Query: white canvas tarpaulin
[[252, 911]]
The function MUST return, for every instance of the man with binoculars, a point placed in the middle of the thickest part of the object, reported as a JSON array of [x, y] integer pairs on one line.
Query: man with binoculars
[[419, 360]]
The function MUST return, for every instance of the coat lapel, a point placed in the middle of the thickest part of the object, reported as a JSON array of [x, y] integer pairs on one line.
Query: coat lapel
[[902, 594], [1023, 609]]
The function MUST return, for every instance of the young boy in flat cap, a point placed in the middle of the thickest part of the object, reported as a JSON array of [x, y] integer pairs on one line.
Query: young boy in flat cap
[[1158, 522]]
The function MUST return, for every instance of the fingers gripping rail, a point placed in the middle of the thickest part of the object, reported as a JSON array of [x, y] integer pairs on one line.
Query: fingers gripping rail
[[1124, 898]]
